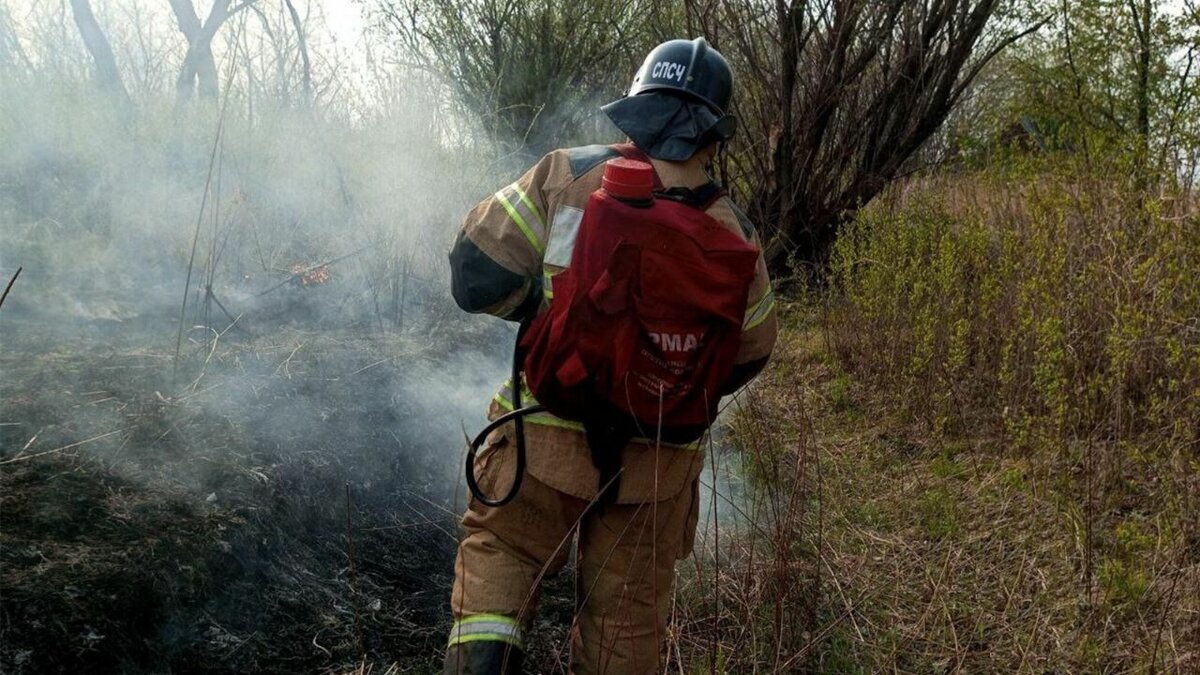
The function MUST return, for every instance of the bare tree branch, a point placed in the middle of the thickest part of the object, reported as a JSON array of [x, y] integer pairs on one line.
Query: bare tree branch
[[303, 47], [107, 74], [199, 69]]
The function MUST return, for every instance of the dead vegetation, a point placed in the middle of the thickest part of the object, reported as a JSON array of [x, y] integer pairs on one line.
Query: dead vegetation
[[286, 508], [917, 552], [976, 451]]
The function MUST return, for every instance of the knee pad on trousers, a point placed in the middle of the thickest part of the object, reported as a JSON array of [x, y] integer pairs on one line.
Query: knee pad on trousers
[[483, 657]]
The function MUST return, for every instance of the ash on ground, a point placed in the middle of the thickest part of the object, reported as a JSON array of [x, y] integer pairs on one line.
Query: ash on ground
[[280, 502]]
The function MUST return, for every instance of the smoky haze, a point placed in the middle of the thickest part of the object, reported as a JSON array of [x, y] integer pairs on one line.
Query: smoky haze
[[288, 214], [234, 385], [268, 484]]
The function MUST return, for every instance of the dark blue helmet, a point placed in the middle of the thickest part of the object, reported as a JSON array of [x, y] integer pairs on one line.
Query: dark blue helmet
[[678, 101], [690, 67]]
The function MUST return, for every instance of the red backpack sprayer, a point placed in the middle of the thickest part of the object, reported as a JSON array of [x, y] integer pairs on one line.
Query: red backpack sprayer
[[645, 323]]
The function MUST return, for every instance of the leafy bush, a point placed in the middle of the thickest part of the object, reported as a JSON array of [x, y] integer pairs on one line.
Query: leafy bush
[[1050, 313], [1039, 301]]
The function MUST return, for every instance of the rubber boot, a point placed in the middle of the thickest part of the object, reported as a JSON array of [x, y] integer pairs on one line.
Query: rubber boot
[[483, 657]]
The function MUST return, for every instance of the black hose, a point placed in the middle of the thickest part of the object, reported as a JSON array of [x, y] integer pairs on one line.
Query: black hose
[[472, 484], [514, 416]]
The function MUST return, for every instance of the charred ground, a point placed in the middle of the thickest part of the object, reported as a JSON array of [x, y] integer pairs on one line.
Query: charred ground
[[283, 503]]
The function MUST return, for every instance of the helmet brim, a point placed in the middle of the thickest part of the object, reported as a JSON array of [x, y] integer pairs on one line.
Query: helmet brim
[[683, 92], [668, 127]]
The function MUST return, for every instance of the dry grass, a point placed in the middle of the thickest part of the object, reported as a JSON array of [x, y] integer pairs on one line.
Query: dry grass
[[931, 553], [746, 599], [979, 454]]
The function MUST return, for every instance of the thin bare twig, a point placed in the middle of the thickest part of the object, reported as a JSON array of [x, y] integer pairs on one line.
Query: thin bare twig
[[8, 288], [212, 159], [63, 448]]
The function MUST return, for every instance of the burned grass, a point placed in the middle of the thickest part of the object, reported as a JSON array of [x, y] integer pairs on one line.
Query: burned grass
[[287, 505], [96, 566]]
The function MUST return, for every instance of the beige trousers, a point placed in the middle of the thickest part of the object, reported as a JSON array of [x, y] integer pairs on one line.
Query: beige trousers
[[624, 572]]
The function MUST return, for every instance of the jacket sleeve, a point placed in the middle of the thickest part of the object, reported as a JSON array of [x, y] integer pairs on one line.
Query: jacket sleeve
[[496, 258], [760, 327]]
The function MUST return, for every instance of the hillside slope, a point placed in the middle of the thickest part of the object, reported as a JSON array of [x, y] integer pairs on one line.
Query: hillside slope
[[955, 553]]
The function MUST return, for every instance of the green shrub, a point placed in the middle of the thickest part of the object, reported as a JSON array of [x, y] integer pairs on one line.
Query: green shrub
[[1047, 304], [1049, 314]]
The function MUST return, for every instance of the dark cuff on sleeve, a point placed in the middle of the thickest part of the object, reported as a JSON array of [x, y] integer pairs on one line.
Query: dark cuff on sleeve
[[531, 304], [476, 281], [742, 374]]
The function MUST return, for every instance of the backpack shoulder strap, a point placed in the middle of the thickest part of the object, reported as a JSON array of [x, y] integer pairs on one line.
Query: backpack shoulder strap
[[708, 194], [700, 198]]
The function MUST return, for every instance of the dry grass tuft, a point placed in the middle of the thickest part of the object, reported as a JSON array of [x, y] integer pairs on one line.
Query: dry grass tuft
[[929, 552], [979, 454]]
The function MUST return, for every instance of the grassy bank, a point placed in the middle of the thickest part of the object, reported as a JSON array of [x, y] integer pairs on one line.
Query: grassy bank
[[943, 553], [978, 452]]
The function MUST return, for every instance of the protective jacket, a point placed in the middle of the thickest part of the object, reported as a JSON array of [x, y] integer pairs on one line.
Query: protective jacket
[[503, 262]]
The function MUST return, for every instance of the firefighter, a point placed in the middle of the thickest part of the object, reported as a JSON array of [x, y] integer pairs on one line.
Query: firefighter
[[503, 262]]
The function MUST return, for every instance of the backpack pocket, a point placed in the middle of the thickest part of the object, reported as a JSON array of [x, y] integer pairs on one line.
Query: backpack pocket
[[674, 285]]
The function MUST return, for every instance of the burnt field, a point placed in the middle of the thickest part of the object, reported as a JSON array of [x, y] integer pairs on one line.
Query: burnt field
[[263, 476], [283, 501]]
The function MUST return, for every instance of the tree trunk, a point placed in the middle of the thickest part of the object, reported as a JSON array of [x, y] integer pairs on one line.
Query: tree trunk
[[1142, 17], [782, 198], [855, 87], [107, 75], [303, 47], [199, 70]]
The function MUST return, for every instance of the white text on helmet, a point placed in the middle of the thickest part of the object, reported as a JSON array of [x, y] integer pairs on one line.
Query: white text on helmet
[[668, 71]]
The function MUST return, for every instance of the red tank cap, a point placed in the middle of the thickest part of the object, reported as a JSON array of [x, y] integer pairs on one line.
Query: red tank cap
[[630, 179]]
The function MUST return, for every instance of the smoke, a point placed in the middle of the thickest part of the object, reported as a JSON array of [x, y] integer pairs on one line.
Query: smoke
[[321, 377], [326, 227], [233, 334], [288, 220]]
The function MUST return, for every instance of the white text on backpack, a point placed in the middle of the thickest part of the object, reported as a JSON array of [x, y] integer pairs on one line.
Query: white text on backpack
[[675, 342]]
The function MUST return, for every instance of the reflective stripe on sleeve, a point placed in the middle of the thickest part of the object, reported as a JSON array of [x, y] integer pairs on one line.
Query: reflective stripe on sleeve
[[530, 205], [525, 214], [759, 311], [563, 232], [487, 627]]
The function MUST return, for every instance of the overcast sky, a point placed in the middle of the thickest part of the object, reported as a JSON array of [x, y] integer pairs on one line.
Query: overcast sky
[[344, 16], [345, 19]]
